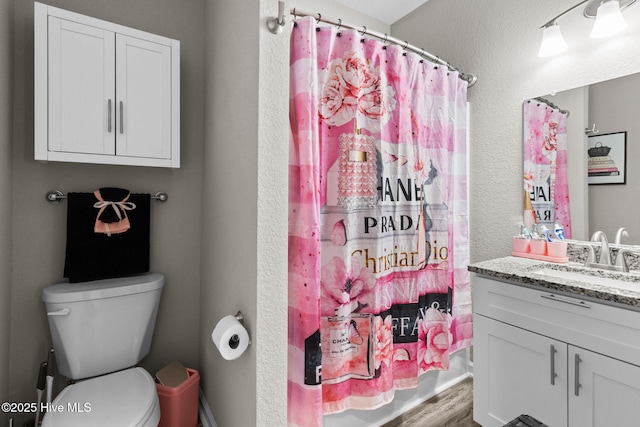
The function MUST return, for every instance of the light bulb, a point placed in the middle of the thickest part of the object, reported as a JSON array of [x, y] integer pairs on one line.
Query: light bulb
[[552, 41], [609, 20]]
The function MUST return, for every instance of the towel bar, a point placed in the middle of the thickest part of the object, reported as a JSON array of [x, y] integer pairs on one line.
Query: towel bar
[[57, 196]]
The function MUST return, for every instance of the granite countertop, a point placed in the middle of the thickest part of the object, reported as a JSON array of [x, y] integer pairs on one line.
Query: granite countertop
[[524, 271]]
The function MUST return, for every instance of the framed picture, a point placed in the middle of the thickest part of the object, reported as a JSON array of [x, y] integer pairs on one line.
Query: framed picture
[[607, 161]]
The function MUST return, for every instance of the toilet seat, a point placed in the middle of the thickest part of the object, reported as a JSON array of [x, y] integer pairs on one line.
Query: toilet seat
[[125, 399]]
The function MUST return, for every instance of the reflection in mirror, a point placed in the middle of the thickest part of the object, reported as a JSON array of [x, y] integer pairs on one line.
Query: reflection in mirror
[[546, 189], [603, 112]]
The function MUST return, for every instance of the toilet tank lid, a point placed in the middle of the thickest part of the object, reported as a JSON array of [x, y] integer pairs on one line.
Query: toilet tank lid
[[98, 289]]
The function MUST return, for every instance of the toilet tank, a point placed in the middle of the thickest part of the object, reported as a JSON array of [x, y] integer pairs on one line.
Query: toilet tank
[[102, 326]]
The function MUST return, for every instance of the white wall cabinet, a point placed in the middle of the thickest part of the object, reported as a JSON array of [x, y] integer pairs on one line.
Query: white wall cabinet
[[578, 373], [104, 93]]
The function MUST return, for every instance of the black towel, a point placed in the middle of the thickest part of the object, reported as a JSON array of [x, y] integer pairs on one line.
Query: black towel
[[93, 256]]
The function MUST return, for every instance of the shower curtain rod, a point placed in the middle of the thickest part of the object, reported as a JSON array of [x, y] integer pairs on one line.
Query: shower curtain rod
[[552, 105], [469, 78]]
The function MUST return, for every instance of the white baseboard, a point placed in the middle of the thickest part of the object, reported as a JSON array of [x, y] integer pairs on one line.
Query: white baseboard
[[204, 412]]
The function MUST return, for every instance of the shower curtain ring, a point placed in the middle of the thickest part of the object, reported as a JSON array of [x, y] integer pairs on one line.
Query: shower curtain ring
[[339, 24], [319, 18], [364, 30], [384, 42], [406, 43], [422, 55]]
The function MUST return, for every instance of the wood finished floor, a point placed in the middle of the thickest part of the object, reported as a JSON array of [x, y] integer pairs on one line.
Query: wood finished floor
[[452, 408]]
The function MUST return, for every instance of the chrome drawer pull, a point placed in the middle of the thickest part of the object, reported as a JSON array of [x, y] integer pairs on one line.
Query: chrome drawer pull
[[576, 383], [553, 364], [109, 117], [121, 117], [566, 301]]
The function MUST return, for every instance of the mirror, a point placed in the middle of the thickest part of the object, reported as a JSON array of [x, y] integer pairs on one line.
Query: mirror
[[604, 115]]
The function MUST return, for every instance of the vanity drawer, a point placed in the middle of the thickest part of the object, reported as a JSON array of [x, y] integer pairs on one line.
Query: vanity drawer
[[605, 329]]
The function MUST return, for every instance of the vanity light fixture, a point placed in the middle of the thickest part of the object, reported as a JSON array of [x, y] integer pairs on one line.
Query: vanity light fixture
[[609, 21], [552, 41]]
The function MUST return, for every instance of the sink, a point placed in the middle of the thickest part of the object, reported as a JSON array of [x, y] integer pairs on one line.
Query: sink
[[588, 278]]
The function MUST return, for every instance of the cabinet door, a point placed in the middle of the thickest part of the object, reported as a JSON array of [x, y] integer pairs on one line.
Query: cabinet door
[[81, 88], [143, 87], [517, 372], [603, 392]]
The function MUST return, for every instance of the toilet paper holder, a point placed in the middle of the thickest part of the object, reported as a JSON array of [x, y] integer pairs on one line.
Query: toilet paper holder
[[230, 336], [240, 317], [234, 341]]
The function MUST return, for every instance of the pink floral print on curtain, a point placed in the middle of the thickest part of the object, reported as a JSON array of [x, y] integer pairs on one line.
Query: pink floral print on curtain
[[378, 229], [545, 164]]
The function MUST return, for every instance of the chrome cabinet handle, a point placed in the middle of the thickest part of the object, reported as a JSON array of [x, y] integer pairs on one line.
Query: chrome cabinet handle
[[566, 301], [121, 117], [576, 382], [109, 116], [552, 356]]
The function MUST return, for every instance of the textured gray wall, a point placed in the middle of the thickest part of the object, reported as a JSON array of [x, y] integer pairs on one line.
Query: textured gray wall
[[6, 117], [229, 238], [614, 107], [39, 228]]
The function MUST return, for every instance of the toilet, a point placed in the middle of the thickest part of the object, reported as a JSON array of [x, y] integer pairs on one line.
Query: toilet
[[100, 330]]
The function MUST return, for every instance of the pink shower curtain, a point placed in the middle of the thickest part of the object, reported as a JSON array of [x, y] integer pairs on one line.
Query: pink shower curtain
[[378, 228], [545, 164]]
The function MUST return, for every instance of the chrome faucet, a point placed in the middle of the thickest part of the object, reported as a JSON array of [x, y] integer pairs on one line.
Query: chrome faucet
[[619, 234], [604, 261], [621, 262]]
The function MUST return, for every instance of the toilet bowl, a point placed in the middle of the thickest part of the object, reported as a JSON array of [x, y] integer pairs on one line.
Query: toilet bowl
[[125, 399], [100, 330]]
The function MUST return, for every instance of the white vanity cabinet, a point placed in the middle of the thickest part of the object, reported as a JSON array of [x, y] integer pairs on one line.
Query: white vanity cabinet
[[512, 369], [560, 359], [104, 93], [603, 391]]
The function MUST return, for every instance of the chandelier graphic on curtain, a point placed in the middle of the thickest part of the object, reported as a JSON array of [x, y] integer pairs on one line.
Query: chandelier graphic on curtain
[[378, 226]]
